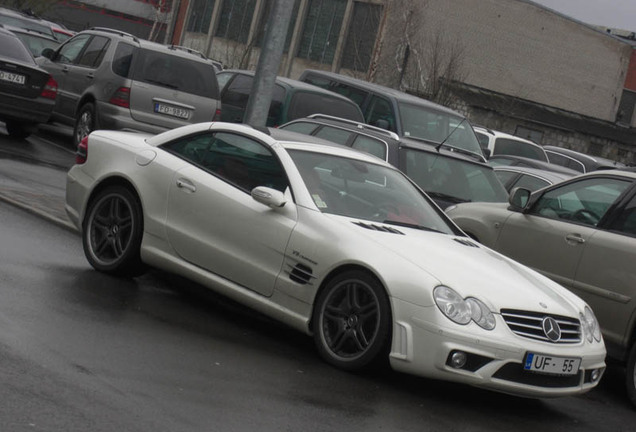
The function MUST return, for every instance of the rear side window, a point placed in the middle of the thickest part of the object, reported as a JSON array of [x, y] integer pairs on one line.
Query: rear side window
[[11, 47], [123, 59], [370, 145], [176, 73], [339, 136], [304, 104], [518, 148], [238, 92], [94, 52]]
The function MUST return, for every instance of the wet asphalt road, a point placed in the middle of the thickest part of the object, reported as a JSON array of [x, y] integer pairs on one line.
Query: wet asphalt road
[[82, 351]]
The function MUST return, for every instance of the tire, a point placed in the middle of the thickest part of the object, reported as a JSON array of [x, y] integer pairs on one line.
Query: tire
[[85, 123], [352, 322], [630, 375], [112, 231], [19, 130]]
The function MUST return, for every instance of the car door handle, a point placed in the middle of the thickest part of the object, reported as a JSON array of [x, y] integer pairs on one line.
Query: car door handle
[[90, 75], [186, 184], [574, 238]]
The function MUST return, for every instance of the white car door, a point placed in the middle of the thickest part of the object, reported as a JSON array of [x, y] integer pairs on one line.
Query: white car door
[[212, 220]]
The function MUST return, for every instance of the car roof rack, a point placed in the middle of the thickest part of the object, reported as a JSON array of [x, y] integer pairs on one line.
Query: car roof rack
[[117, 32], [188, 50], [357, 124]]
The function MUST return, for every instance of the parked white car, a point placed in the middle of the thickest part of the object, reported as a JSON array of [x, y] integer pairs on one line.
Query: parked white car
[[495, 143], [337, 244]]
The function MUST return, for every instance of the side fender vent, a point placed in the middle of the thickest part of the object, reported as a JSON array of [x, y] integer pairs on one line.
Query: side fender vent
[[381, 228], [301, 274], [466, 242]]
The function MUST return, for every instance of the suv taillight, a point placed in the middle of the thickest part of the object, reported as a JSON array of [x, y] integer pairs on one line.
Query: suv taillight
[[82, 151], [121, 97], [217, 115], [49, 90]]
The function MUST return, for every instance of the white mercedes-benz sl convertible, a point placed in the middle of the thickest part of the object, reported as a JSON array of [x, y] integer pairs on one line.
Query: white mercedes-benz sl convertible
[[335, 243]]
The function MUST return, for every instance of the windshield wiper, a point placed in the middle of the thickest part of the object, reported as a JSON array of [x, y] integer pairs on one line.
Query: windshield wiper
[[411, 225], [161, 83], [446, 197]]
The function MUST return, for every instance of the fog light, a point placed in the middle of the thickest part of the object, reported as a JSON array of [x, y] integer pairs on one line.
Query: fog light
[[458, 359], [595, 375]]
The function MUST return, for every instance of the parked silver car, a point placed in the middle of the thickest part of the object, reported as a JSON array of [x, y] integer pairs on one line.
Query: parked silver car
[[112, 80], [582, 234]]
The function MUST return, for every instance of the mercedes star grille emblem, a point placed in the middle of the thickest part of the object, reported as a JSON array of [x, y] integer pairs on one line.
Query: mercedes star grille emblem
[[551, 329]]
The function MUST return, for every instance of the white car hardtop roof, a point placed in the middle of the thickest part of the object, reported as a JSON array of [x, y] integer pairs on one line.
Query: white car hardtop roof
[[334, 149]]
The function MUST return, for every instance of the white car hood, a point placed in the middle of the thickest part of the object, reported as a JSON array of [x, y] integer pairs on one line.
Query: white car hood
[[474, 270]]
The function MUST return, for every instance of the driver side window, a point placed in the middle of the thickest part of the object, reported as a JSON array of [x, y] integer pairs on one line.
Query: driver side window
[[584, 202], [70, 52]]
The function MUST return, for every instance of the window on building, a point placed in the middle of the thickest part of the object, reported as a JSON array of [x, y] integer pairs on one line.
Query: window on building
[[363, 31], [625, 111], [236, 19], [531, 134], [200, 16], [322, 28], [262, 24]]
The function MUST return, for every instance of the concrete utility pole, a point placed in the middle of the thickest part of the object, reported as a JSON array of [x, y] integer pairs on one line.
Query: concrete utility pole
[[268, 63]]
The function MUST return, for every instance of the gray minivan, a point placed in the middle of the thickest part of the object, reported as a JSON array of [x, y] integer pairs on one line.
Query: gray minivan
[[108, 79], [402, 113]]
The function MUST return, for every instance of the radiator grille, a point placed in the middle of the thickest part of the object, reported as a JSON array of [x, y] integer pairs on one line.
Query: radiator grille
[[531, 325]]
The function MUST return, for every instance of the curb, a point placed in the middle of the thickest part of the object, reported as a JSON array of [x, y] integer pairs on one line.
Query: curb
[[60, 222]]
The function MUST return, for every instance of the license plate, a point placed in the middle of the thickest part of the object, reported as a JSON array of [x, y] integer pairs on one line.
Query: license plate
[[553, 365], [172, 111], [12, 77]]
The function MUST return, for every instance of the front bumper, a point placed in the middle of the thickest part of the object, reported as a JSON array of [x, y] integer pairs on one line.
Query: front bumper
[[424, 340]]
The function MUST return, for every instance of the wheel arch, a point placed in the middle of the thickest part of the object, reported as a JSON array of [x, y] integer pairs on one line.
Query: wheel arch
[[338, 271], [114, 181], [87, 98]]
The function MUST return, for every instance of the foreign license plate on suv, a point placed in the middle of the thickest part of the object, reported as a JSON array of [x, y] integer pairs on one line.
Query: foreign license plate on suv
[[173, 111], [12, 77], [551, 364]]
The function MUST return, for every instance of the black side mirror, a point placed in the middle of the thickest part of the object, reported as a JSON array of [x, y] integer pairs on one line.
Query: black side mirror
[[48, 53], [518, 199]]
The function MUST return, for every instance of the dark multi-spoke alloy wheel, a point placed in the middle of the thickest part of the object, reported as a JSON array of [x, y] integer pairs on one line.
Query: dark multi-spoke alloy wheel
[[85, 123], [112, 232], [352, 321], [630, 374]]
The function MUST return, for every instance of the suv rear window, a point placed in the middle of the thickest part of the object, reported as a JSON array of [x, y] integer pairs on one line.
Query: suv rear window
[[176, 72], [304, 104]]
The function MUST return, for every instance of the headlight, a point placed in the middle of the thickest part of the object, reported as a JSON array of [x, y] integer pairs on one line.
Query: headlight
[[590, 325], [462, 311]]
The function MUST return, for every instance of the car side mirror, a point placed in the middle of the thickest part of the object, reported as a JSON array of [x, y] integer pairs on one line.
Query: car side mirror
[[518, 199], [270, 197], [48, 53]]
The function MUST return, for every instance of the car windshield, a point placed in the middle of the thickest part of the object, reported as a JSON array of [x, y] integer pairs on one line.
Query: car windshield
[[363, 190], [453, 180], [438, 126], [36, 44]]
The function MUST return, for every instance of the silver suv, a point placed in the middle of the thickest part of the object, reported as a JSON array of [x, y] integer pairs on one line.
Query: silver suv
[[109, 79]]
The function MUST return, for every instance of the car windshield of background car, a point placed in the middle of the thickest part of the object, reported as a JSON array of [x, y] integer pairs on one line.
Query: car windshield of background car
[[519, 148], [436, 126], [36, 43], [362, 190], [26, 24], [453, 179]]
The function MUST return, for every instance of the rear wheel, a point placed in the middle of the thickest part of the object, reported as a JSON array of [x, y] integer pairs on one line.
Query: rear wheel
[[630, 374], [112, 231], [19, 130], [352, 321], [85, 123]]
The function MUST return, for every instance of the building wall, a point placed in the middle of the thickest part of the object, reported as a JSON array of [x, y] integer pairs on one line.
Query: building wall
[[515, 47]]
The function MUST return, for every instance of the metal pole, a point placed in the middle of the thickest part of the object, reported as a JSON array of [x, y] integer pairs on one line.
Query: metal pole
[[268, 63]]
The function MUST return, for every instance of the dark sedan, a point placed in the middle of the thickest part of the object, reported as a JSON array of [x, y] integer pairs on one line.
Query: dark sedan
[[27, 92]]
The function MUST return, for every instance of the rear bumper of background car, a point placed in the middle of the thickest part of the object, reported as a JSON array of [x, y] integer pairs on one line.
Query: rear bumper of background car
[[25, 110], [424, 342]]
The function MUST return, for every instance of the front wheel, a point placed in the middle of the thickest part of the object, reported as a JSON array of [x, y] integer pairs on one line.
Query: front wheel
[[352, 321], [112, 231], [630, 375], [85, 123]]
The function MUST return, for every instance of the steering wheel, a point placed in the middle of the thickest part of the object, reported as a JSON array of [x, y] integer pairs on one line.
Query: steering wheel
[[586, 216]]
